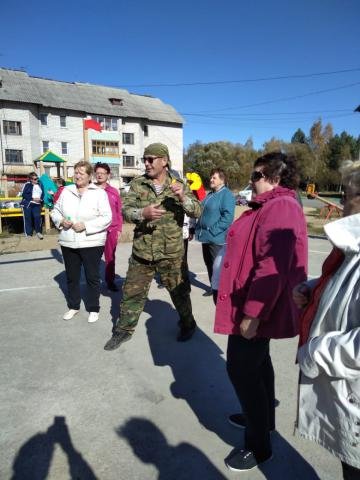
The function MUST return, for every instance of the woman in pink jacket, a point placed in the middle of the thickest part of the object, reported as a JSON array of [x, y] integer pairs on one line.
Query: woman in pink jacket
[[102, 174], [266, 256]]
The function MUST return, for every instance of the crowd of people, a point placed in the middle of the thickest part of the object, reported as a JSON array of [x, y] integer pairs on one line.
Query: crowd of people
[[257, 266]]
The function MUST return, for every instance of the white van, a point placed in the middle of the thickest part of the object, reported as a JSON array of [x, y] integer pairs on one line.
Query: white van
[[244, 195]]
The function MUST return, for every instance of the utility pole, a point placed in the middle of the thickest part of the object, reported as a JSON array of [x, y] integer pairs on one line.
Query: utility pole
[[358, 110]]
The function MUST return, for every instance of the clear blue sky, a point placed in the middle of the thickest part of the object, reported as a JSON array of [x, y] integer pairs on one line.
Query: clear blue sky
[[131, 43]]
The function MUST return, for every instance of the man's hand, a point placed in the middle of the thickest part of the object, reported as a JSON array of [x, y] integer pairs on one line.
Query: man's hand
[[78, 227], [301, 295], [248, 327], [178, 190], [66, 224], [153, 212]]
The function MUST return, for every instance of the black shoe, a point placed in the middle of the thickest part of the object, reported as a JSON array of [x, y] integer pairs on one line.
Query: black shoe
[[208, 293], [238, 420], [112, 287], [243, 460], [160, 285], [117, 339], [186, 333]]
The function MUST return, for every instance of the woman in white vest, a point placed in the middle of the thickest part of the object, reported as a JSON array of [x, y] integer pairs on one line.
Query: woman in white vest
[[82, 214], [329, 353]]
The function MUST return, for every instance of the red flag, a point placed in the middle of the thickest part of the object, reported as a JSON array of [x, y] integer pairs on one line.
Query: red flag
[[90, 123]]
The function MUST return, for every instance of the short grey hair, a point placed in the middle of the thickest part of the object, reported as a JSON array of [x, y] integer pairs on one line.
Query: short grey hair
[[350, 172]]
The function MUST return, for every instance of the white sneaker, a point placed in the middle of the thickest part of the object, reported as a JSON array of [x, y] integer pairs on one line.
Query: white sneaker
[[93, 317], [70, 314]]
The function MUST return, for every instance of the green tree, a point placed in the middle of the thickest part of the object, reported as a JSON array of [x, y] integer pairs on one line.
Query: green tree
[[299, 137], [273, 145], [236, 160], [318, 140]]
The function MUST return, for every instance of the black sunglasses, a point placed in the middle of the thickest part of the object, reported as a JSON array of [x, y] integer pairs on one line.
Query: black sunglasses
[[256, 176], [149, 159]]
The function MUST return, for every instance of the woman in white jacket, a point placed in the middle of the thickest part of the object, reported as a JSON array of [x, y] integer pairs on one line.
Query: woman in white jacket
[[82, 214], [329, 353]]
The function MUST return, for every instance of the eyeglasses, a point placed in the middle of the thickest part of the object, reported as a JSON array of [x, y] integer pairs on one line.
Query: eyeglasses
[[149, 159], [256, 175]]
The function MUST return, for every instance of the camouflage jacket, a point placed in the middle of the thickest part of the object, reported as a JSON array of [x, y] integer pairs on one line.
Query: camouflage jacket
[[162, 238]]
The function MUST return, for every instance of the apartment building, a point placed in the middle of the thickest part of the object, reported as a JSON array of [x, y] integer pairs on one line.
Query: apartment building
[[38, 114]]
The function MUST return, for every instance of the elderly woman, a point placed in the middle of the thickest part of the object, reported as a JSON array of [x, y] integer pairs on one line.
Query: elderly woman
[[31, 203], [266, 256], [329, 353], [82, 214], [217, 215]]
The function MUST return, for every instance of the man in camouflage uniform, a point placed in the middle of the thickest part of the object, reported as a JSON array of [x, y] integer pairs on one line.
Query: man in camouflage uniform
[[156, 203]]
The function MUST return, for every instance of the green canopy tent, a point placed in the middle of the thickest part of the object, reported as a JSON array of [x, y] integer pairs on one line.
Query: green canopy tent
[[51, 157]]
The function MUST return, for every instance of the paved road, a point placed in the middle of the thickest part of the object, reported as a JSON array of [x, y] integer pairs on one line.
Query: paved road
[[154, 409]]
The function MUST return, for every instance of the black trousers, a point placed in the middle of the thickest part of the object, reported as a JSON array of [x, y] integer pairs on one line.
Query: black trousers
[[89, 258], [349, 472], [210, 250], [251, 372]]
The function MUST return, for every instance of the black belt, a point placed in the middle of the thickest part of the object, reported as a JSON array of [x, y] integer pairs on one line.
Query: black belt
[[143, 260]]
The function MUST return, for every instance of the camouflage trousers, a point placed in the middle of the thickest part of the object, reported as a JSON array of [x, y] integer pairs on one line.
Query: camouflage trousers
[[137, 284]]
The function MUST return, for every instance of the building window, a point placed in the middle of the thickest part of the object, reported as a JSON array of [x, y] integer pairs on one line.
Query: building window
[[146, 130], [64, 148], [109, 149], [45, 146], [14, 156], [114, 170], [43, 118], [62, 121], [128, 138], [123, 121], [11, 128], [116, 101], [107, 123], [128, 161]]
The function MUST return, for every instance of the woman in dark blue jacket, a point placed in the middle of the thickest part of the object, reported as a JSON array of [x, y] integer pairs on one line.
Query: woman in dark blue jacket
[[217, 216], [31, 203]]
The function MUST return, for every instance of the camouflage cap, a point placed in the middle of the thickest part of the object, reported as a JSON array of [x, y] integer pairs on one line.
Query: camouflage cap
[[157, 149]]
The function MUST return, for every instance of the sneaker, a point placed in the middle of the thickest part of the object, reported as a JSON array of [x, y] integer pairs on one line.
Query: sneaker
[[112, 287], [40, 236], [93, 317], [186, 333], [70, 314], [243, 461], [117, 339], [238, 420]]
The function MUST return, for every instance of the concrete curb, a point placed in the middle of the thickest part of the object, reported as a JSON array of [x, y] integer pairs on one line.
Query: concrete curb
[[18, 243]]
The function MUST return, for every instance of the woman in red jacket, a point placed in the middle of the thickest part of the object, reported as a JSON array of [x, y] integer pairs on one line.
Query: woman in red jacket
[[266, 256]]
